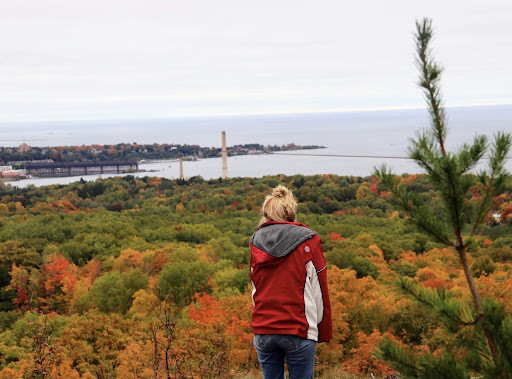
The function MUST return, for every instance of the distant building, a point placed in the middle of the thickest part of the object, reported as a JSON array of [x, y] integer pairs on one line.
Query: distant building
[[8, 172], [23, 148]]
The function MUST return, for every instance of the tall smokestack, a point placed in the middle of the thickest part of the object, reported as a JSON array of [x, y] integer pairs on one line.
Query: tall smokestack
[[224, 157], [181, 167]]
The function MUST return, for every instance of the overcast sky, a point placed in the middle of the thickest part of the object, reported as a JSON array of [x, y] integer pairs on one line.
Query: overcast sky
[[104, 59]]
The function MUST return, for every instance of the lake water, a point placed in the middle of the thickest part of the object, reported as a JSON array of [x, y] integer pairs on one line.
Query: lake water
[[375, 133]]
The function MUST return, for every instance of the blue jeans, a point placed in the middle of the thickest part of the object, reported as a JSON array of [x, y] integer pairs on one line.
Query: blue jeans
[[274, 348]]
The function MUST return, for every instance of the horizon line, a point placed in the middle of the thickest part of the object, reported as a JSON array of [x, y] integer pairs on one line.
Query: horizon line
[[296, 112]]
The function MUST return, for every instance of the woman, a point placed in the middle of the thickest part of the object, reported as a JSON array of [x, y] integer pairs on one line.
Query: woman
[[291, 311]]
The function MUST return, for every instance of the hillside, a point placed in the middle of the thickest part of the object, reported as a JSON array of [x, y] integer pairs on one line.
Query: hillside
[[129, 277]]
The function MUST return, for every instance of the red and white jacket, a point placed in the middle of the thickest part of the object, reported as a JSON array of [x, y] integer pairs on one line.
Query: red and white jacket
[[289, 282]]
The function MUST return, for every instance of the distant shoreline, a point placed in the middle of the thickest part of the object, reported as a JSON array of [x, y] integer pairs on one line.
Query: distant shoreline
[[19, 158]]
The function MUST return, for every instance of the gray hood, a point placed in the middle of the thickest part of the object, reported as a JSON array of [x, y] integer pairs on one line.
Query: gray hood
[[280, 240]]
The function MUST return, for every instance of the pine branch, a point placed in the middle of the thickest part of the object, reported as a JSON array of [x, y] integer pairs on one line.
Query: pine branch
[[444, 366], [423, 218], [430, 75], [498, 157], [423, 152], [447, 172], [469, 156], [506, 339], [401, 359], [405, 362], [433, 299], [411, 204]]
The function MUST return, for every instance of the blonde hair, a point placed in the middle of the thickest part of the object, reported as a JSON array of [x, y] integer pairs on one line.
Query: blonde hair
[[280, 206]]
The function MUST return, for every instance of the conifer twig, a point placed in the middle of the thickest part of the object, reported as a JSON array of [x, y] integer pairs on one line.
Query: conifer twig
[[448, 172]]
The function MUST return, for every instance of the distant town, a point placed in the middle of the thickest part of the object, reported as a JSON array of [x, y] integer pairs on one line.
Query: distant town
[[15, 160]]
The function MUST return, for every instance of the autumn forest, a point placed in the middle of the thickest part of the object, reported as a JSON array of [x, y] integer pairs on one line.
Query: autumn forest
[[148, 278]]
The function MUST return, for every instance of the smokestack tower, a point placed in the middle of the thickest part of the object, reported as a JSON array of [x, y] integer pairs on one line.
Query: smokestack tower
[[181, 167], [224, 157]]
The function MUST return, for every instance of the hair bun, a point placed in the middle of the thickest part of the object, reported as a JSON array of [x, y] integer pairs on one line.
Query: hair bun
[[280, 191]]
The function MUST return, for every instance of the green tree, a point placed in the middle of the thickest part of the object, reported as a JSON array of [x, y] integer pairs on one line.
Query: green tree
[[229, 281], [448, 173], [113, 292], [181, 280], [18, 253]]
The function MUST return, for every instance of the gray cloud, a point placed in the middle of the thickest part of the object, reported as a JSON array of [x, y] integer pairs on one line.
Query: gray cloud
[[62, 59]]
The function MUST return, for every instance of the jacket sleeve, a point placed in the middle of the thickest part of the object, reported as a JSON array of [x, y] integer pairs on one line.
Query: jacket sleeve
[[325, 324]]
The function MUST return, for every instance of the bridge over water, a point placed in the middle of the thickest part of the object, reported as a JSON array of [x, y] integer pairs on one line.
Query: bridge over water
[[80, 168]]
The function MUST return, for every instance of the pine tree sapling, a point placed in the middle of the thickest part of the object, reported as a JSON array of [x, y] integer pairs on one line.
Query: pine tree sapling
[[449, 173]]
